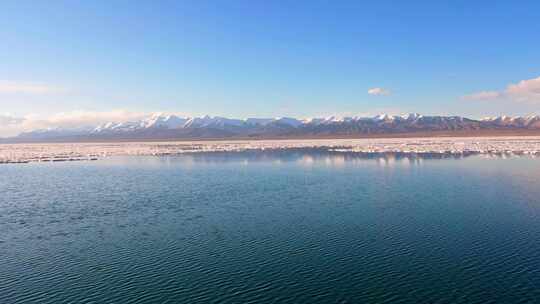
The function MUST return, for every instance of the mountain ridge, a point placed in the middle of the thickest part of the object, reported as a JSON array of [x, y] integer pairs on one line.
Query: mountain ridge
[[170, 126]]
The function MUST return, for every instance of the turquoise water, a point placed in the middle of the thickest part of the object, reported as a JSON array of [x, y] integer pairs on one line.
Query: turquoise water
[[297, 227]]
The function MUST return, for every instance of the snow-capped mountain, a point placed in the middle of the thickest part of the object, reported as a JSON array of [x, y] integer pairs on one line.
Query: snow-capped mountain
[[529, 122], [168, 126], [154, 121], [55, 133], [172, 122]]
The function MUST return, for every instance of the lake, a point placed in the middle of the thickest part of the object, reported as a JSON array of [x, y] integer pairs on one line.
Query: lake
[[276, 227]]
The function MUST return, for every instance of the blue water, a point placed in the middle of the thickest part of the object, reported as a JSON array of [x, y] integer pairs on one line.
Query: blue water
[[298, 227]]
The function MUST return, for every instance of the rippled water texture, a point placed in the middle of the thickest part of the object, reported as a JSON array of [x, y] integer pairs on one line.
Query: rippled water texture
[[271, 228]]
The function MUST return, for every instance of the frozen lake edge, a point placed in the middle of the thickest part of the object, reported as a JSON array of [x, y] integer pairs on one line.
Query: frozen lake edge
[[60, 152]]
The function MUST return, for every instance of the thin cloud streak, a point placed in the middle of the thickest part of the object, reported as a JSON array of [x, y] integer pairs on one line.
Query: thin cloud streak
[[483, 95], [379, 91], [13, 87]]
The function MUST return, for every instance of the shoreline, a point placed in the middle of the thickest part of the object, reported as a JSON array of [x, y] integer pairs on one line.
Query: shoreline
[[60, 152]]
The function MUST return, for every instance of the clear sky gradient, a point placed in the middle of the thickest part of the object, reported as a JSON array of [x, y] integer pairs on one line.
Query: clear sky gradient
[[270, 58]]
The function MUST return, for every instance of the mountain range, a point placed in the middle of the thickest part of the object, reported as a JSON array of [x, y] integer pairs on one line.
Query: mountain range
[[170, 127]]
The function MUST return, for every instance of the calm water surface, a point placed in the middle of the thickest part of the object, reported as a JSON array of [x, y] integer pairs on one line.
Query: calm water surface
[[271, 228]]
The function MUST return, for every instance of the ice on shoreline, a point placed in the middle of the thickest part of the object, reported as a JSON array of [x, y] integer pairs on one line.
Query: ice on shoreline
[[24, 153]]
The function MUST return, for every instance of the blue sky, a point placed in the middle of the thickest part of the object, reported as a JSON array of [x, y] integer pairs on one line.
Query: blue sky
[[269, 58]]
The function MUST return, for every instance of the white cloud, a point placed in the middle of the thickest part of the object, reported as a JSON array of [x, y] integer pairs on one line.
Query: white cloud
[[13, 87], [379, 91], [524, 91], [9, 120], [11, 125]]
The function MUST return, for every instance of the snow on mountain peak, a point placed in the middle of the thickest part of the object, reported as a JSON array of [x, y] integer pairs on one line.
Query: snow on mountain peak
[[207, 125], [293, 122], [412, 116]]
